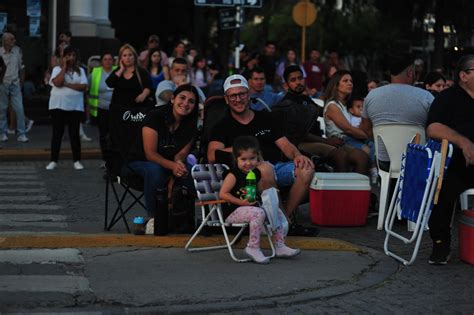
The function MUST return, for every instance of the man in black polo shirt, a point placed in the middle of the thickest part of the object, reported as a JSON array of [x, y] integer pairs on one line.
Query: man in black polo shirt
[[451, 117], [241, 120]]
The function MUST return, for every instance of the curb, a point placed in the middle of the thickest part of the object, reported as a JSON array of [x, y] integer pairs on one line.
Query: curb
[[173, 241]]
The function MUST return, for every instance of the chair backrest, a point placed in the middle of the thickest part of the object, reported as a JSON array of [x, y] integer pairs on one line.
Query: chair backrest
[[208, 180], [215, 108], [395, 137]]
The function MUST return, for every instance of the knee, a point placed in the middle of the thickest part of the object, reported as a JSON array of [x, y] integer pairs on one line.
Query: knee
[[304, 175], [259, 215]]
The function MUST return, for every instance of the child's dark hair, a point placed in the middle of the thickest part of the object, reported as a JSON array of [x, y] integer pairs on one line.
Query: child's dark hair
[[244, 143], [353, 98]]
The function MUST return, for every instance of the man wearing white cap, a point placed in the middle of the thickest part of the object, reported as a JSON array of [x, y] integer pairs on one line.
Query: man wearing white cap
[[298, 169]]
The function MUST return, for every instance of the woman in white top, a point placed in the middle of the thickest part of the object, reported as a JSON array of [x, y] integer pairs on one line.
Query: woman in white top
[[337, 119], [66, 105]]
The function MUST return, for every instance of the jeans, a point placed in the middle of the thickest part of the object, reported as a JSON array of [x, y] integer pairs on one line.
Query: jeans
[[13, 91], [155, 177]]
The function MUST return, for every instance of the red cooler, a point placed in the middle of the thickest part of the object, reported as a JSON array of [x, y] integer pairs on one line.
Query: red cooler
[[466, 236], [339, 199]]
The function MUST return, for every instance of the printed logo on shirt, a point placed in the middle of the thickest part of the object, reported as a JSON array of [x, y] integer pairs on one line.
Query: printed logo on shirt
[[262, 132], [138, 117]]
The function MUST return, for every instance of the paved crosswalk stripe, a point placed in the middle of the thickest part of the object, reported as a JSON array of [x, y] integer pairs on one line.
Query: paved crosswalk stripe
[[9, 172], [29, 219], [22, 190], [22, 183], [20, 177], [24, 198], [34, 283], [44, 256], [28, 207]]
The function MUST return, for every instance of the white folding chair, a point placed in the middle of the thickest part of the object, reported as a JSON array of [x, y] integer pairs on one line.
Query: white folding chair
[[416, 192], [394, 137], [208, 180]]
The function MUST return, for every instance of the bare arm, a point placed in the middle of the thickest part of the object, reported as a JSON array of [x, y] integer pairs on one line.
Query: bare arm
[[166, 95], [333, 113], [366, 126], [211, 150], [292, 153], [439, 131], [224, 193], [76, 86]]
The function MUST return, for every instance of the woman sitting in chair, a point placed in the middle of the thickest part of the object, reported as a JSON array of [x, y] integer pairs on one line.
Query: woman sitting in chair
[[337, 120], [168, 134]]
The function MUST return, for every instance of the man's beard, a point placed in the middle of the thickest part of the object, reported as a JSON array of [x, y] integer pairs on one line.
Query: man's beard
[[299, 89]]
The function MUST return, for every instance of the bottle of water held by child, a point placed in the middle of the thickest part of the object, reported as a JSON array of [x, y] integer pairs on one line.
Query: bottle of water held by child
[[251, 187]]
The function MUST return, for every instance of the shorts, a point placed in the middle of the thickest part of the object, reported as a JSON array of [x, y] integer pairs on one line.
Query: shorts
[[284, 173]]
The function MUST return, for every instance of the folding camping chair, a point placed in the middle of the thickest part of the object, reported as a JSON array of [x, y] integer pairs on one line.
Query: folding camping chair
[[127, 186], [416, 192], [208, 180]]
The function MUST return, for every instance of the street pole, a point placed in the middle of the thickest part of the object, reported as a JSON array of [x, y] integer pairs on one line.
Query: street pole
[[239, 19]]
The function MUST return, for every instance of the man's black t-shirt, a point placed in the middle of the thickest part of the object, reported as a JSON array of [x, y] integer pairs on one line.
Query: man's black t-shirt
[[454, 108], [263, 126], [169, 142]]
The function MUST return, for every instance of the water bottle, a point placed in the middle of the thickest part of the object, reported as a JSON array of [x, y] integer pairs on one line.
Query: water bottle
[[251, 187], [139, 225]]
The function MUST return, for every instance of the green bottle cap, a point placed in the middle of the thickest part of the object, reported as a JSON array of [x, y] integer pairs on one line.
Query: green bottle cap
[[251, 175]]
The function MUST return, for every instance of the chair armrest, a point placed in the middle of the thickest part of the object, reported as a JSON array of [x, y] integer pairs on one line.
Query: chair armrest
[[210, 202]]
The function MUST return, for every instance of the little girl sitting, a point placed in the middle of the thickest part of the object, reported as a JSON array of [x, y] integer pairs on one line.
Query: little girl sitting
[[246, 150]]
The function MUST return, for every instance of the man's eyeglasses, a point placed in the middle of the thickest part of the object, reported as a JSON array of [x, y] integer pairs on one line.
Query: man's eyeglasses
[[241, 95]]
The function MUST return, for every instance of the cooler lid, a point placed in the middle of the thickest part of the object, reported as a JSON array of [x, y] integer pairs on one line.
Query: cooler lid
[[340, 181]]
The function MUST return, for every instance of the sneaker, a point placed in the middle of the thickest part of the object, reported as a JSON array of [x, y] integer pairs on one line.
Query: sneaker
[[256, 255], [78, 165], [30, 125], [286, 252], [51, 166], [150, 227], [4, 138], [85, 138], [11, 131], [440, 254], [22, 138]]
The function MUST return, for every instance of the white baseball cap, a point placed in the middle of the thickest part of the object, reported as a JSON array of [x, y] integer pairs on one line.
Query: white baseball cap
[[235, 80]]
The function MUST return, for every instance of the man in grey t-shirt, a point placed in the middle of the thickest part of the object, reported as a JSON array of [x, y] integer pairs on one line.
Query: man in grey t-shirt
[[398, 102]]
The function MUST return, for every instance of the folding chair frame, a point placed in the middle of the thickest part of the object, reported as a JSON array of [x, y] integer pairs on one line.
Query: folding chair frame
[[211, 210], [120, 212], [425, 208]]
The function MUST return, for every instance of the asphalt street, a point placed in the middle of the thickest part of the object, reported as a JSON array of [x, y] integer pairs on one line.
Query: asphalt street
[[56, 258]]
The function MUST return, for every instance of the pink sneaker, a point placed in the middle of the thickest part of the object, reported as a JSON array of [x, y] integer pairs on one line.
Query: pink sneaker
[[286, 252], [256, 255]]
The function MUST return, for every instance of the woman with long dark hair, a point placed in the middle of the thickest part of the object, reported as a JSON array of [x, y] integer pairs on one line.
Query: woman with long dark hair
[[66, 105]]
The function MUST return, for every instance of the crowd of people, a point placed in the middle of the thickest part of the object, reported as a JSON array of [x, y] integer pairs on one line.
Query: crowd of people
[[272, 101]]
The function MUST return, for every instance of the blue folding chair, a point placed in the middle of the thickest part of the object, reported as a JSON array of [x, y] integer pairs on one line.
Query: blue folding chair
[[416, 192]]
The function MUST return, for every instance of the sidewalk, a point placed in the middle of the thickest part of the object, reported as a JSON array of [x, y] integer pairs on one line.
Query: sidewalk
[[38, 148]]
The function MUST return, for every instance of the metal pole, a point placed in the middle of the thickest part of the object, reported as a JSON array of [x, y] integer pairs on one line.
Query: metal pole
[[239, 18], [54, 20]]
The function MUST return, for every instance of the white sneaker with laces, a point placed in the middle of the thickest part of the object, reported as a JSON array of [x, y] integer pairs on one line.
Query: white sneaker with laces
[[256, 255], [150, 227], [85, 138], [30, 125], [51, 166], [286, 252], [22, 138], [4, 138], [78, 165]]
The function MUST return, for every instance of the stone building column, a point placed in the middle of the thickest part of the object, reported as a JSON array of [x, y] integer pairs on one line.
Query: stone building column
[[81, 17], [101, 17]]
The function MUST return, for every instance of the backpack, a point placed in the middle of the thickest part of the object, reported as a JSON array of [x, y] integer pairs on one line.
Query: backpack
[[182, 210]]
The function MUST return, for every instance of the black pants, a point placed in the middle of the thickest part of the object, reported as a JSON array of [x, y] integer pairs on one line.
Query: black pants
[[103, 124], [458, 178], [60, 118]]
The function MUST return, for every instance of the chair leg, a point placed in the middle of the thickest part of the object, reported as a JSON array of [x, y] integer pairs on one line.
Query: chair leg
[[384, 188], [106, 202]]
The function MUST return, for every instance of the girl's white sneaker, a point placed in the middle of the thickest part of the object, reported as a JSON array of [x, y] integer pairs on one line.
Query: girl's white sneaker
[[286, 252], [78, 165], [256, 255]]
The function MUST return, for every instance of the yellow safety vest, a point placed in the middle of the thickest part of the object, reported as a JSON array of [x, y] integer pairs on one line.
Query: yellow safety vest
[[94, 90]]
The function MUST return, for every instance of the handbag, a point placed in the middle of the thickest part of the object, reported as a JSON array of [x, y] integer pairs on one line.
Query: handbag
[[271, 205]]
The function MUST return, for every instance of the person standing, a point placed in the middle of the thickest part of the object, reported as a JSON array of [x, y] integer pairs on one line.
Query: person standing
[[315, 73], [10, 87], [66, 105], [100, 96]]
